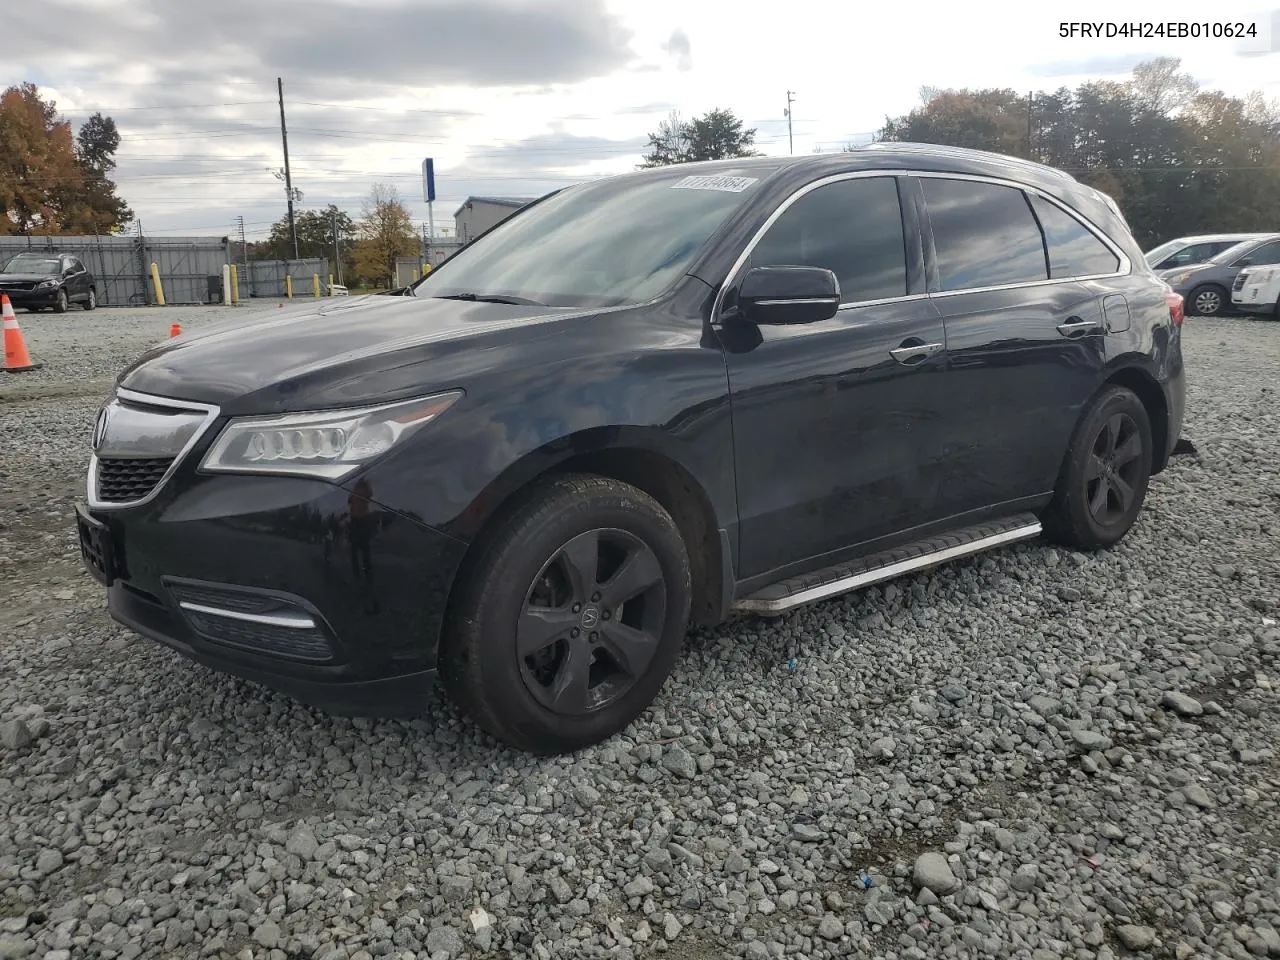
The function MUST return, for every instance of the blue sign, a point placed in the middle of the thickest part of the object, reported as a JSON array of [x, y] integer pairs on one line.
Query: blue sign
[[428, 180]]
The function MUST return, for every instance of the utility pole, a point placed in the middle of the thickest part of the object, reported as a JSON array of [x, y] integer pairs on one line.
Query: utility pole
[[288, 179], [1030, 102], [787, 113], [337, 252]]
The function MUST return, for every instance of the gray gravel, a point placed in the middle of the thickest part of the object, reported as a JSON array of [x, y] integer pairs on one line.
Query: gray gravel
[[1033, 754]]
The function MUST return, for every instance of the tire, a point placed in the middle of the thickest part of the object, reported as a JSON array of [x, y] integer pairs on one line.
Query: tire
[[1216, 301], [1103, 481], [524, 567], [91, 301], [61, 305]]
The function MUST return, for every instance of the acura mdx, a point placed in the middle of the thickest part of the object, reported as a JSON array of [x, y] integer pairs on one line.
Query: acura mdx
[[642, 402]]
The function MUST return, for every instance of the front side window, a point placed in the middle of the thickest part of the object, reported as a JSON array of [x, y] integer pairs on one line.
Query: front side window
[[852, 228], [612, 242], [1074, 251], [1266, 255], [984, 234]]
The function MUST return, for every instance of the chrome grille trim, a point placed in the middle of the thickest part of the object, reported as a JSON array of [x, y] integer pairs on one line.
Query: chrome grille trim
[[208, 412]]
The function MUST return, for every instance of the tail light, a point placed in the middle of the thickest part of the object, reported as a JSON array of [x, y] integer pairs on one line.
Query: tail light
[[1177, 310]]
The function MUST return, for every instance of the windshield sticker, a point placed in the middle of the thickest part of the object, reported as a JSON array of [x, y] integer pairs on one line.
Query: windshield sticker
[[727, 184]]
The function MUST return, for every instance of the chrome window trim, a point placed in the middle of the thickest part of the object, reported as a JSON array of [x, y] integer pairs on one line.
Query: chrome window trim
[[210, 412], [1125, 268]]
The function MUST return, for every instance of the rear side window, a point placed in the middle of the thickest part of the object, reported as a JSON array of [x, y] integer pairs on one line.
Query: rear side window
[[984, 234], [1074, 251], [851, 227]]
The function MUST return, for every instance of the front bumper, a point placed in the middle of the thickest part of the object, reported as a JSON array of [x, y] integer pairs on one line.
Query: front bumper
[[1246, 306], [33, 298], [294, 584]]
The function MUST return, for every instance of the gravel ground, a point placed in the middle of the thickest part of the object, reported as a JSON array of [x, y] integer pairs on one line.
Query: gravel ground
[[1034, 754]]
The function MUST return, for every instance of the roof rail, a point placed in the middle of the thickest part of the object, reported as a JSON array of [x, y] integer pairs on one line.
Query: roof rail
[[962, 153]]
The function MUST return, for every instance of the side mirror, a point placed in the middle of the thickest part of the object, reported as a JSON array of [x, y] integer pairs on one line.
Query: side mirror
[[776, 295]]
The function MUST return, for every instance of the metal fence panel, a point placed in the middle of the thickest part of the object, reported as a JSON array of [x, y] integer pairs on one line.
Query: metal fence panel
[[190, 268]]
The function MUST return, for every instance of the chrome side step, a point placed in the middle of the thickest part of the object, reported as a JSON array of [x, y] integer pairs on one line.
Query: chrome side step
[[786, 595]]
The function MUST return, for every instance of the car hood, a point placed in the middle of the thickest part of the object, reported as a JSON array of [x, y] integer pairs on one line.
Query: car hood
[[27, 277], [337, 352]]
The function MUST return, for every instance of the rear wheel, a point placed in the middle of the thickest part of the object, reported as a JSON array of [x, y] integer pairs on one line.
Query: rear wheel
[[1207, 301], [1103, 481], [571, 618]]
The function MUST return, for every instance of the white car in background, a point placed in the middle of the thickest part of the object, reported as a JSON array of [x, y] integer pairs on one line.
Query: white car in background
[[1257, 290]]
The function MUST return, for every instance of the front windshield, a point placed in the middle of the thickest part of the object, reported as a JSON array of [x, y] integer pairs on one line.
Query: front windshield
[[24, 263], [1159, 253], [621, 240]]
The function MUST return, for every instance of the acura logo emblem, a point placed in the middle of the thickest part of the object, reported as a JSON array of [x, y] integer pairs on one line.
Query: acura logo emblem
[[100, 427], [590, 617]]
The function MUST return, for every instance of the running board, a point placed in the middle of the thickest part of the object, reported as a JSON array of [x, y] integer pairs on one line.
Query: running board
[[785, 595]]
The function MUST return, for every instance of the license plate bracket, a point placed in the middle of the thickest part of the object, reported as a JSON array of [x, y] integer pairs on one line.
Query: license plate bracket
[[96, 550]]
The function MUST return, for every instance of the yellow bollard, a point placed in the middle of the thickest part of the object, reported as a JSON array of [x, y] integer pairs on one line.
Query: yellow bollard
[[315, 284], [331, 284], [288, 285], [155, 278], [415, 275], [235, 284]]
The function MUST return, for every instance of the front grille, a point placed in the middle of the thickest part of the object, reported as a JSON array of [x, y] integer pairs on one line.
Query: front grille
[[123, 480], [18, 285]]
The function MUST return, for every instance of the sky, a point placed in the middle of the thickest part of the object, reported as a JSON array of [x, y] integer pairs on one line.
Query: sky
[[519, 97]]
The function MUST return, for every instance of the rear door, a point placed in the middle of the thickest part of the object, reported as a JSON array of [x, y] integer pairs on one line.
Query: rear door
[[838, 424], [1025, 338]]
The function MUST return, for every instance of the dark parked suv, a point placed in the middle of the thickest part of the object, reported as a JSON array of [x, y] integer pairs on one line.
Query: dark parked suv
[[640, 402], [40, 280]]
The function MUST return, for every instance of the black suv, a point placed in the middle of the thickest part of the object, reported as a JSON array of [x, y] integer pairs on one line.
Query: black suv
[[640, 402], [40, 280]]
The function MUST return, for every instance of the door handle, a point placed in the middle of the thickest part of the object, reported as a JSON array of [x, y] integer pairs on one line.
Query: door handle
[[915, 353], [1074, 327]]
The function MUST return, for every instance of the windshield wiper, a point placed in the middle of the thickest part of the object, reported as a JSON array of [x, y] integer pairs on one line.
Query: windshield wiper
[[493, 298]]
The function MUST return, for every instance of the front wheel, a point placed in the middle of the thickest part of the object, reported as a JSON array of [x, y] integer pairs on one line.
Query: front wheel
[[1103, 481], [571, 617], [91, 301], [60, 305]]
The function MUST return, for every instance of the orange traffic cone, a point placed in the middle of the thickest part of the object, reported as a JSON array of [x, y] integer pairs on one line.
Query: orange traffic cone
[[175, 330], [16, 357]]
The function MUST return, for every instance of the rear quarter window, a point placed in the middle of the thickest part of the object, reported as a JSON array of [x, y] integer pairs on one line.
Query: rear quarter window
[[1074, 250]]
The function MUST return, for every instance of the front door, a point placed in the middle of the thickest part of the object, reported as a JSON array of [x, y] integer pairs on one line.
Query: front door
[[838, 425]]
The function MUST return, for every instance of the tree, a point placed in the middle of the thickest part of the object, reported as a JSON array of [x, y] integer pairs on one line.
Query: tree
[[1160, 86], [386, 233], [50, 182], [97, 208], [716, 135], [315, 237]]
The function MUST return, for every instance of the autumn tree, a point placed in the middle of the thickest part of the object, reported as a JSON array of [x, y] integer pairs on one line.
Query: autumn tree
[[50, 181], [386, 233], [1179, 160], [716, 135]]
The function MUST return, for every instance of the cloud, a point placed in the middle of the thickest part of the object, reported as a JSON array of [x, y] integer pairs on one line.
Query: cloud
[[1113, 65], [479, 43], [680, 49]]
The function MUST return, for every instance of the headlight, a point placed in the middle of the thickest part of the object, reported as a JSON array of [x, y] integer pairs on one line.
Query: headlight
[[1181, 277], [46, 283], [329, 444]]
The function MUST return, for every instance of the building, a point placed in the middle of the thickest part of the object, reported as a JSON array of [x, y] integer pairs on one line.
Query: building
[[478, 214]]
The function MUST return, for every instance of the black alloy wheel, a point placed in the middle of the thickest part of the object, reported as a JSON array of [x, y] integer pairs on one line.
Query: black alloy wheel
[[592, 622]]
